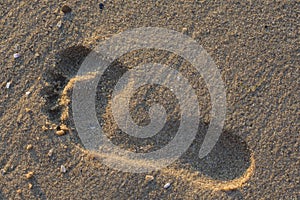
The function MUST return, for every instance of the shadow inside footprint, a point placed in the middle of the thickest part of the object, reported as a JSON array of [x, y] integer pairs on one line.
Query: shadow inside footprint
[[228, 160], [68, 62]]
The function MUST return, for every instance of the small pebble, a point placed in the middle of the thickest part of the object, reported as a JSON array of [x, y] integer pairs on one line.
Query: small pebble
[[53, 127], [29, 175], [27, 93], [60, 132], [63, 169], [59, 24], [44, 128], [101, 6], [17, 55], [8, 85], [19, 191], [29, 146], [27, 110], [2, 171], [29, 186], [184, 30], [50, 152], [63, 127], [66, 9], [149, 178], [167, 185]]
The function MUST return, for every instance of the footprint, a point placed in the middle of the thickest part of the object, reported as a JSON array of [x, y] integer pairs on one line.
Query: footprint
[[229, 159], [68, 62]]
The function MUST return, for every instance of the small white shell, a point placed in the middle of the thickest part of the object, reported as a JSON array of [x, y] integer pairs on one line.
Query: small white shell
[[50, 153], [27, 93], [167, 185], [63, 169], [59, 24], [17, 55], [8, 85]]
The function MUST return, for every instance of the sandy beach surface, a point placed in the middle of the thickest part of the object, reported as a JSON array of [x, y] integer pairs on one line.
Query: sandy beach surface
[[255, 45]]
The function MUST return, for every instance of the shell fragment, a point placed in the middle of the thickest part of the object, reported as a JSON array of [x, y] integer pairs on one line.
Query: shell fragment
[[167, 185], [63, 169], [8, 85], [17, 55]]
